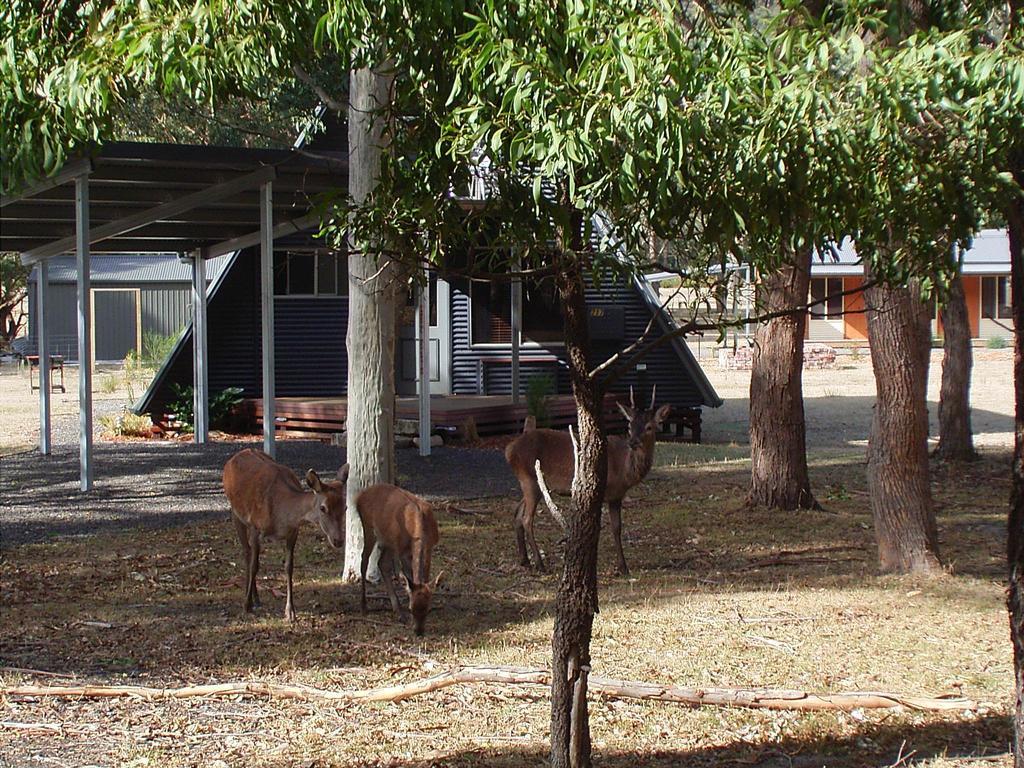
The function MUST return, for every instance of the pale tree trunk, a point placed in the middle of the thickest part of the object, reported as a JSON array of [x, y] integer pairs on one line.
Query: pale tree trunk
[[369, 425], [778, 451], [956, 442], [1015, 532], [576, 600], [899, 332]]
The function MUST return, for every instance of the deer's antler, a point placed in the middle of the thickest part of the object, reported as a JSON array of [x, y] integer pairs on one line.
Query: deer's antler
[[654, 390], [632, 399]]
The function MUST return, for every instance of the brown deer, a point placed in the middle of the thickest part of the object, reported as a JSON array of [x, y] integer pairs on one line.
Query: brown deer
[[403, 525], [629, 461], [268, 502]]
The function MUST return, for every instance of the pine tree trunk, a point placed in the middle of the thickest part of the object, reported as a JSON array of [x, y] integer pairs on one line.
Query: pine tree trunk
[[372, 297], [576, 601], [1015, 532], [778, 451], [899, 332], [956, 442]]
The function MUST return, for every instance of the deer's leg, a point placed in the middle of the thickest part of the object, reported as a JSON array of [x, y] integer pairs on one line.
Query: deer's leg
[[386, 563], [615, 518], [368, 544], [517, 523], [252, 597], [530, 501], [289, 561], [243, 537]]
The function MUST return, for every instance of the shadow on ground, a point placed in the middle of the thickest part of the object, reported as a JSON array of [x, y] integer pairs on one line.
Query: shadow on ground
[[154, 485], [983, 740]]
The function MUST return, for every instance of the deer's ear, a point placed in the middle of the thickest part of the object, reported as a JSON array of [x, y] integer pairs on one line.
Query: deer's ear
[[627, 412], [343, 473], [662, 413], [313, 481]]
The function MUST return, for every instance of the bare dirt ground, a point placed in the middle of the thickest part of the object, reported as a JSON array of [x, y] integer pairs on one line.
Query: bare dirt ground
[[721, 595], [19, 405], [838, 402]]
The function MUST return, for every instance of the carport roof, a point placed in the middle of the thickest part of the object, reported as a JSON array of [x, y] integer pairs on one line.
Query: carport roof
[[149, 198]]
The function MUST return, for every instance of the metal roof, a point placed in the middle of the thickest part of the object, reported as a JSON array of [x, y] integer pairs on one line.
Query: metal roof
[[159, 198], [130, 269], [989, 254]]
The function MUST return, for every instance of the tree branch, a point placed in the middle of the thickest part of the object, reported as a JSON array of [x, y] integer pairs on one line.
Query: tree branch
[[758, 698], [329, 101], [621, 361]]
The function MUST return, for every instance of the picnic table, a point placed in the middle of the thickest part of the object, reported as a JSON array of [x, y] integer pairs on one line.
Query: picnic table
[[56, 364]]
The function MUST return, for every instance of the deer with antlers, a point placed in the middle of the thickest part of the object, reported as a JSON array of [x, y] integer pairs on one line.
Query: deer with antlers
[[545, 459]]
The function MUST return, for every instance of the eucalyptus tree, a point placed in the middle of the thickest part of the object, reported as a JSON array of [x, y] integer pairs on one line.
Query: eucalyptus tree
[[933, 176], [1003, 118]]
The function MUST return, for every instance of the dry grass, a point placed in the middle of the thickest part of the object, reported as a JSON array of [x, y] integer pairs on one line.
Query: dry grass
[[722, 596]]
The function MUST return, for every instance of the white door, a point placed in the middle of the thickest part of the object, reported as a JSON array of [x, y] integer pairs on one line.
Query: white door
[[439, 335]]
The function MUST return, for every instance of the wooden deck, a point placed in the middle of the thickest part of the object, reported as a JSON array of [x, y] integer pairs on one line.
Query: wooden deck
[[493, 414]]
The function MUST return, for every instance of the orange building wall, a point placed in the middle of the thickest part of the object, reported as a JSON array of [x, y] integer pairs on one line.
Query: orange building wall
[[972, 294], [855, 321]]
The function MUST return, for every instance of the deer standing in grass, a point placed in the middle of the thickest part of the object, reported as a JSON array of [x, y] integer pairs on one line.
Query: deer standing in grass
[[268, 502], [403, 525], [629, 460]]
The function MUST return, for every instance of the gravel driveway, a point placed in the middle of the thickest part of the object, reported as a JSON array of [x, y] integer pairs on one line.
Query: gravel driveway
[[158, 484]]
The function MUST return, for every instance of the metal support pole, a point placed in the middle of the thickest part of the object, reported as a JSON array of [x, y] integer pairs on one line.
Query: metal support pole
[[423, 373], [200, 388], [517, 330], [267, 304], [42, 337], [84, 331]]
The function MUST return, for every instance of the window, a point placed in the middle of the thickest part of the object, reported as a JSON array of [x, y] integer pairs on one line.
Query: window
[[996, 297], [832, 307], [492, 313], [542, 314], [309, 273]]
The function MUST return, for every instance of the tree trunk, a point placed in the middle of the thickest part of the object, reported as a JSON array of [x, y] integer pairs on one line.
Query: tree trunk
[[956, 442], [778, 451], [369, 423], [1015, 532], [576, 601], [899, 332]]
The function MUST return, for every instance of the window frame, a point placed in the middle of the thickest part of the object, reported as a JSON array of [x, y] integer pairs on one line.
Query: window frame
[[524, 343], [998, 281], [823, 311], [340, 274]]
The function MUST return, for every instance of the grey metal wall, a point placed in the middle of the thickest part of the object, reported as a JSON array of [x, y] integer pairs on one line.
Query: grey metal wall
[[472, 375], [166, 308], [309, 334]]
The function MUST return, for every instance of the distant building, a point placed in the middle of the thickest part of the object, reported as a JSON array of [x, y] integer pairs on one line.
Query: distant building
[[132, 295], [986, 280]]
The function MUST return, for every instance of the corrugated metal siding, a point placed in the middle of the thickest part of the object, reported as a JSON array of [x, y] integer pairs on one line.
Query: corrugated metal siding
[[62, 330], [310, 356], [166, 309], [663, 366], [309, 334]]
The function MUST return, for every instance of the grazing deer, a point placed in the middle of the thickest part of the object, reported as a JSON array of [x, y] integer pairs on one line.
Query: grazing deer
[[403, 525], [629, 461], [268, 502]]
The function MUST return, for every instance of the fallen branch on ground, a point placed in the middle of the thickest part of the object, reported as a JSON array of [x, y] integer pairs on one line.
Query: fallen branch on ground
[[761, 698]]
